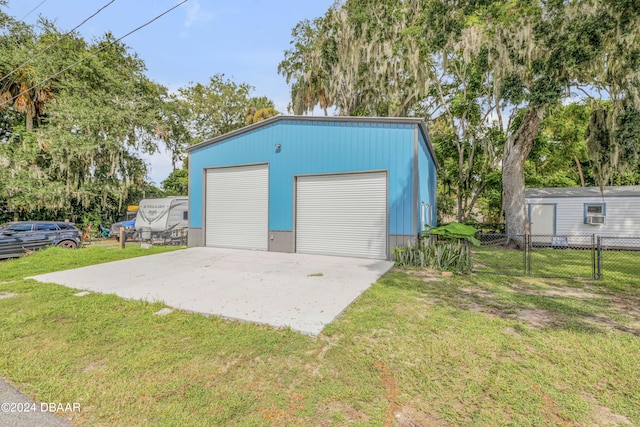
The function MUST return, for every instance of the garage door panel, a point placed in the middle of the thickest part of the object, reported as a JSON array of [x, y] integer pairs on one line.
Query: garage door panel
[[342, 215], [237, 207]]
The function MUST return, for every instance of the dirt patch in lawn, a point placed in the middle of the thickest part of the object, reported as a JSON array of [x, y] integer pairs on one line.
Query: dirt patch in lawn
[[347, 411], [603, 416], [565, 292], [477, 292], [427, 275], [4, 295], [409, 417], [534, 318], [391, 392]]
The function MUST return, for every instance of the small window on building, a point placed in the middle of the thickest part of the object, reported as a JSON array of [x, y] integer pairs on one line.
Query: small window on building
[[185, 215], [594, 213], [594, 209]]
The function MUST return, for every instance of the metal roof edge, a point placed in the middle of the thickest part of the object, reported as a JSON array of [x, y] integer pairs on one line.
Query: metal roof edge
[[236, 132], [391, 120], [564, 192]]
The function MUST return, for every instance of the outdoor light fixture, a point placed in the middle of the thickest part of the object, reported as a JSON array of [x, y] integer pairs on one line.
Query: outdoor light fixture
[[278, 146]]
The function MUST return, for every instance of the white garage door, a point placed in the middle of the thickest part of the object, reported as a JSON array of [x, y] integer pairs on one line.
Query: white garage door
[[237, 207], [342, 215]]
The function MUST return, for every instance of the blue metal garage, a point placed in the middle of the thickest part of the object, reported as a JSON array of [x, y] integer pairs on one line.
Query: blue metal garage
[[349, 186]]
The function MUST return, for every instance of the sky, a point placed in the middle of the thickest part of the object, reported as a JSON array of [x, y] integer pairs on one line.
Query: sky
[[243, 39]]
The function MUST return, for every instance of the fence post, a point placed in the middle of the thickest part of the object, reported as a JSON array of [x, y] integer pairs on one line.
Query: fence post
[[123, 237], [599, 244], [467, 244], [526, 256], [593, 256]]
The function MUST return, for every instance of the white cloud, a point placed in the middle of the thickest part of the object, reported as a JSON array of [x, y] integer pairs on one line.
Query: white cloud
[[195, 13]]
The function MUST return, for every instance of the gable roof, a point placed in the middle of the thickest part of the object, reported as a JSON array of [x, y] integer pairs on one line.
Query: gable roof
[[392, 120], [617, 191]]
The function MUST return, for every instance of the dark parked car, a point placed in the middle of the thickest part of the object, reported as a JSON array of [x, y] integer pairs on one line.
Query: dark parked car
[[16, 238]]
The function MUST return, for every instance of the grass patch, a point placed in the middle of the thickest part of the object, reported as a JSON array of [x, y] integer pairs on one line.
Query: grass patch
[[413, 350], [619, 265], [56, 259]]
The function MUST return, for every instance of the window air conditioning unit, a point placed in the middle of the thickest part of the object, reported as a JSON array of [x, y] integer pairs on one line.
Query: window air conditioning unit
[[595, 219]]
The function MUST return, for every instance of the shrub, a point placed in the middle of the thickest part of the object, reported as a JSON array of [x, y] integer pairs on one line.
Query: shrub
[[429, 253], [441, 248]]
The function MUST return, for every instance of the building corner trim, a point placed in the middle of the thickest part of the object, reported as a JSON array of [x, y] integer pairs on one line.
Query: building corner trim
[[416, 181]]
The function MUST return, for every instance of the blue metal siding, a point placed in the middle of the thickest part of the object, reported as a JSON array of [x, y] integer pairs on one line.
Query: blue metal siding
[[314, 148], [426, 182]]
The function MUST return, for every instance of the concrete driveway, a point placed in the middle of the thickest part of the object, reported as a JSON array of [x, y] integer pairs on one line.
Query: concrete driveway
[[304, 292]]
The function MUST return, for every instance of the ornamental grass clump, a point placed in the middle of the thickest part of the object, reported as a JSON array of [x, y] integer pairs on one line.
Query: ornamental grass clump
[[442, 248]]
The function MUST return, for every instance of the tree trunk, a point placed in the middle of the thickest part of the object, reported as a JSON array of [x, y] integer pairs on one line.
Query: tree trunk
[[29, 121], [516, 151], [579, 170]]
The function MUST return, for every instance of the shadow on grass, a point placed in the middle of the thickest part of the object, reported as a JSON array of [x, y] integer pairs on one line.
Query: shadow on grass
[[538, 303]]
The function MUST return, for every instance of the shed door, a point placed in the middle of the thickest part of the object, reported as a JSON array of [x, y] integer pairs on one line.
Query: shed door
[[542, 219], [237, 207], [342, 215]]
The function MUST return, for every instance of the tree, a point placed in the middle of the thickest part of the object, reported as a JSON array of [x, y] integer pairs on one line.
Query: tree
[[173, 128], [307, 66], [216, 108], [538, 52], [17, 45], [363, 57], [81, 156], [259, 108], [559, 155], [177, 183], [468, 144]]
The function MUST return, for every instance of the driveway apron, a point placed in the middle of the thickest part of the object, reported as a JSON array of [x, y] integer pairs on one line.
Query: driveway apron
[[303, 292]]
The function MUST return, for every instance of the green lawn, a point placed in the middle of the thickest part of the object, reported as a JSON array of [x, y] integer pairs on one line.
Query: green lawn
[[547, 262], [416, 349]]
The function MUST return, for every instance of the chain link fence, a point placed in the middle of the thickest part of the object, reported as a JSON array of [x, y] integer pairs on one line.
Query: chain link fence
[[500, 254], [618, 257], [585, 256]]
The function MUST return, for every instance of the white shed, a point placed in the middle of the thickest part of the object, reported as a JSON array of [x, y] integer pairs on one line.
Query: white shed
[[584, 210]]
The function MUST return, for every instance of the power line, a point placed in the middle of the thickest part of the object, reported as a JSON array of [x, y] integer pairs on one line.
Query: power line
[[92, 54], [28, 61], [32, 10]]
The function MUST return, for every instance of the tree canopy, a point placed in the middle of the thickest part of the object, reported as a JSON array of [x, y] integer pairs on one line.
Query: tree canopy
[[71, 142]]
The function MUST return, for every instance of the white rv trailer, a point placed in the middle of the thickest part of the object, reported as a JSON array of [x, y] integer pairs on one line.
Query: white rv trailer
[[156, 217]]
